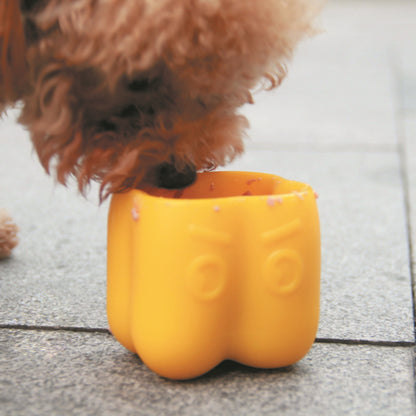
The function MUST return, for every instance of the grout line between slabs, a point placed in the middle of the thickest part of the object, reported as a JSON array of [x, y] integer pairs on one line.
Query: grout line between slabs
[[340, 341], [400, 114], [365, 342], [404, 172], [57, 328], [404, 175]]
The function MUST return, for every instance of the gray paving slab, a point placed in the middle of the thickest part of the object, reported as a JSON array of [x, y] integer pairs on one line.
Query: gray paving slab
[[340, 90], [62, 373], [366, 285], [409, 120], [320, 105], [57, 273], [408, 89]]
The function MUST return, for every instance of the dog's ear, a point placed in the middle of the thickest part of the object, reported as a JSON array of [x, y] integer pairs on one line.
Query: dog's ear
[[12, 53]]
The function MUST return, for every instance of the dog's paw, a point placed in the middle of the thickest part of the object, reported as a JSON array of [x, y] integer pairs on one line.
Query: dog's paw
[[8, 234]]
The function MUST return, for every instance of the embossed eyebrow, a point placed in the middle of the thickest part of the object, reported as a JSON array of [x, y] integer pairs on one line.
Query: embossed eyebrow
[[279, 233], [209, 235]]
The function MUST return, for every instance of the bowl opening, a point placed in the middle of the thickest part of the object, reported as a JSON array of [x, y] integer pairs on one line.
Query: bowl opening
[[225, 184]]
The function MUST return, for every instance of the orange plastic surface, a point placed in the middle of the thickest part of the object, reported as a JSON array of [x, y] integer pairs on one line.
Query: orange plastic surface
[[228, 268]]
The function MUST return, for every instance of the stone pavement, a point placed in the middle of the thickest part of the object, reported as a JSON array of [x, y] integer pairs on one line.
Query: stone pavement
[[344, 121]]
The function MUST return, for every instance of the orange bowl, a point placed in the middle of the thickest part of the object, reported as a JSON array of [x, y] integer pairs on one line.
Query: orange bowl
[[228, 268]]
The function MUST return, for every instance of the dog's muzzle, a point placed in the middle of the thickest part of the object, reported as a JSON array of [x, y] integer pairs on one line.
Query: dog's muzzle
[[168, 177]]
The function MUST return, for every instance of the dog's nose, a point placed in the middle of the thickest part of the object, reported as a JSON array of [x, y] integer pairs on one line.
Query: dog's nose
[[169, 177], [28, 5]]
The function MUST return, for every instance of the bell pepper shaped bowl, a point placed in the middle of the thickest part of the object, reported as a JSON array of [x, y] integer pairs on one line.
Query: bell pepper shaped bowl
[[228, 268]]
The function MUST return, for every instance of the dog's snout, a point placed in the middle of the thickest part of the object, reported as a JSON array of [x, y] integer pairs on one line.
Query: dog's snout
[[143, 83], [29, 5], [138, 84], [169, 177]]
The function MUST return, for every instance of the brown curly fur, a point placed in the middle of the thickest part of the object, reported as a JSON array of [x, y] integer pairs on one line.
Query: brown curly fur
[[112, 89], [8, 234]]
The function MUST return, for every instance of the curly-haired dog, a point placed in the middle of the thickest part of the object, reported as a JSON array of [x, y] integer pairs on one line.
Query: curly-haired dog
[[138, 92]]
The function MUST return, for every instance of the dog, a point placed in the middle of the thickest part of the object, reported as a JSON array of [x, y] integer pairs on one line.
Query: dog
[[136, 93]]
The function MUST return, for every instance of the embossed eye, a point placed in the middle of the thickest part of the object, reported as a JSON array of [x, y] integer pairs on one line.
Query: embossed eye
[[283, 271], [207, 276]]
